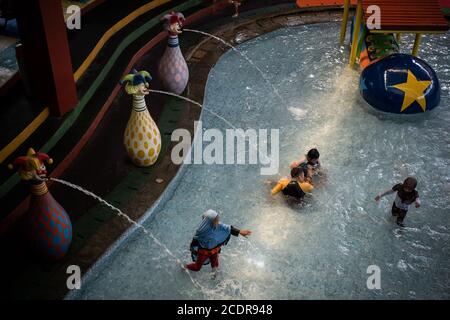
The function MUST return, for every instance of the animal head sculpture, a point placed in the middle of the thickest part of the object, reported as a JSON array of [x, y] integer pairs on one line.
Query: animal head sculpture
[[31, 166], [173, 22], [137, 83]]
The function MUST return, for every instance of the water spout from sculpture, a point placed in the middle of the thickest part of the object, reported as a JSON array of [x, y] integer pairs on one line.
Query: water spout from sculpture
[[244, 55]]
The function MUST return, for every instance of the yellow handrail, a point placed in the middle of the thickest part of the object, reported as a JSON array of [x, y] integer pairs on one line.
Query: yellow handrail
[[344, 22], [355, 39], [415, 49]]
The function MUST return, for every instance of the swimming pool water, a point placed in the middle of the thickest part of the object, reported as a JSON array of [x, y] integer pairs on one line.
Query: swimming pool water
[[322, 249]]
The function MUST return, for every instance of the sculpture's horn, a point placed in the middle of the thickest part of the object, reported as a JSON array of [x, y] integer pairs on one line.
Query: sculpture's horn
[[146, 75], [18, 162], [127, 78], [165, 17], [180, 16]]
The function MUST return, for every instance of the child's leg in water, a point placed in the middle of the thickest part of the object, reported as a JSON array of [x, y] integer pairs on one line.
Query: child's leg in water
[[401, 216], [214, 264], [197, 265], [394, 210], [214, 260], [399, 213]]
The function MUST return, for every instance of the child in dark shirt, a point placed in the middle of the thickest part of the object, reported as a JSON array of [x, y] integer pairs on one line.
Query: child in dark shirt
[[406, 195], [310, 162]]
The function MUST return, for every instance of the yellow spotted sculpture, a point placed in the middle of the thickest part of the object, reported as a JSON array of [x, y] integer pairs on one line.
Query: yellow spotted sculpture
[[142, 138]]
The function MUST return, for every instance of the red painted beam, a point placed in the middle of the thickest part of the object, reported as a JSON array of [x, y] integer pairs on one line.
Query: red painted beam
[[91, 6], [46, 53]]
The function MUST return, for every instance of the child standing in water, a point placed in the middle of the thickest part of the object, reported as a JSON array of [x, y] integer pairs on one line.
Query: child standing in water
[[310, 162], [295, 186], [210, 236], [406, 195]]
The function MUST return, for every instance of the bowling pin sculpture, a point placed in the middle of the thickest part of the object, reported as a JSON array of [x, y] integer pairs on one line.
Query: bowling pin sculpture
[[47, 224], [173, 70], [142, 138]]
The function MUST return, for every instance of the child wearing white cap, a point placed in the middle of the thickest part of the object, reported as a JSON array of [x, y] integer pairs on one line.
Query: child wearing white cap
[[210, 236]]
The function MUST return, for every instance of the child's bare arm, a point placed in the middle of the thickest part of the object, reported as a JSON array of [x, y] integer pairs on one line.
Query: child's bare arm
[[310, 172], [297, 163], [381, 195]]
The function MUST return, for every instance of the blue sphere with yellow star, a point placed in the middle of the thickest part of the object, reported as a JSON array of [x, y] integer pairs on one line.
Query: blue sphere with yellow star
[[400, 83]]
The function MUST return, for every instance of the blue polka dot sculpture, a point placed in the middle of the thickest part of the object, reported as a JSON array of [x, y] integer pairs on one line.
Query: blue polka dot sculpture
[[47, 225]]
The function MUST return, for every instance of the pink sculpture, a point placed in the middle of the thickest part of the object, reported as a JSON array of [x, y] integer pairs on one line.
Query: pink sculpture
[[173, 70]]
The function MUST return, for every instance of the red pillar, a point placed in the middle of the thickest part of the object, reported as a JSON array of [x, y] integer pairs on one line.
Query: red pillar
[[46, 55]]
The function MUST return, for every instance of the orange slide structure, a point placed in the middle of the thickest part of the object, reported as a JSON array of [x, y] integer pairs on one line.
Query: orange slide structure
[[445, 4], [322, 3]]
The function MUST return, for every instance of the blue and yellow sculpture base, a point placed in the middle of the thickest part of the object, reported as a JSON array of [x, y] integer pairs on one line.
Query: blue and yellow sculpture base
[[400, 83]]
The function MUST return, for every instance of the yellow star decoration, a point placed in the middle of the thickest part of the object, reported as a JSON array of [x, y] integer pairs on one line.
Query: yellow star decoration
[[414, 91]]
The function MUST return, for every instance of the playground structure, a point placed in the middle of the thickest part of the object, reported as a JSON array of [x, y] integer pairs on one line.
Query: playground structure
[[390, 81]]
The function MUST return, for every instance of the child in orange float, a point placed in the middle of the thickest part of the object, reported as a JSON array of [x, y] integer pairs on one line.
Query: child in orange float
[[294, 186]]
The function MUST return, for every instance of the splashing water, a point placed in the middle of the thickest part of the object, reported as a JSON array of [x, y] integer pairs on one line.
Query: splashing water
[[244, 55], [194, 102], [322, 250], [148, 233], [177, 96], [211, 112], [133, 222]]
